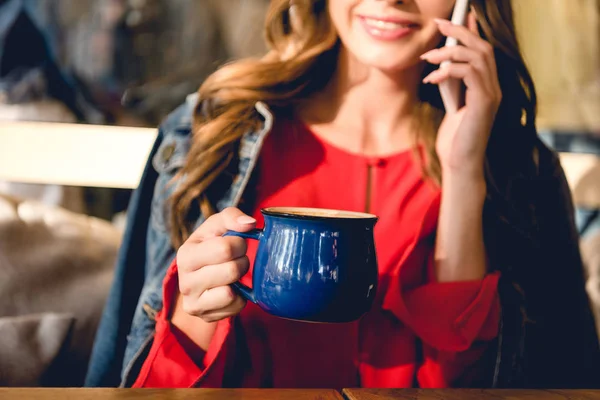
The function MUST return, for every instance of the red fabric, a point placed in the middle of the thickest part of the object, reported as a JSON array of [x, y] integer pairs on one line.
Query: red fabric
[[450, 321]]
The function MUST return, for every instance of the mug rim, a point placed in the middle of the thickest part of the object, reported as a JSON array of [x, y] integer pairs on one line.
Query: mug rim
[[288, 212]]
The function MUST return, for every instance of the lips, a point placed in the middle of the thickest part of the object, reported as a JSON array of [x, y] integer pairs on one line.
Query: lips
[[386, 25], [387, 28]]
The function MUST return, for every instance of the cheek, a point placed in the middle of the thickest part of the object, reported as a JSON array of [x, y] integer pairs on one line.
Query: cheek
[[340, 12], [431, 9]]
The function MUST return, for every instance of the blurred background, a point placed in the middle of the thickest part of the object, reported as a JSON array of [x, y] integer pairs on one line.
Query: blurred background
[[102, 74]]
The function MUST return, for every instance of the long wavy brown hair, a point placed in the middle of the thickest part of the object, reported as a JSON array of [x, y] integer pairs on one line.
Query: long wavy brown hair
[[303, 49]]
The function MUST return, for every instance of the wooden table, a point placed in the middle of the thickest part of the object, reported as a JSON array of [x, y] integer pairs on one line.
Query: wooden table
[[466, 394], [168, 394], [292, 394]]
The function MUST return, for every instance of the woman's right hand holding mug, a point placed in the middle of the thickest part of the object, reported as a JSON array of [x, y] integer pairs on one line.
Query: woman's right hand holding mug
[[208, 263]]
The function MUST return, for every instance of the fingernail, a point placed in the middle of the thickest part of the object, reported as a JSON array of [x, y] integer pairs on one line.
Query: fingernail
[[246, 220], [441, 21], [426, 55], [429, 78]]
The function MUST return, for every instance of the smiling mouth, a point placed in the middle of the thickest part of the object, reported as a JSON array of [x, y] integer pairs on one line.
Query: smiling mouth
[[386, 25], [387, 29]]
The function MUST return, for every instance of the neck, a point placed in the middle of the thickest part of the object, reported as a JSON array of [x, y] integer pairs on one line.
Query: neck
[[378, 103]]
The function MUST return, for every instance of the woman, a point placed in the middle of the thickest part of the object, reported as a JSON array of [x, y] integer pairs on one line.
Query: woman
[[471, 220]]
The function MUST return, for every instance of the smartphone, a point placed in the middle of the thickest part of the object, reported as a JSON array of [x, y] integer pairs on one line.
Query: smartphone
[[453, 90]]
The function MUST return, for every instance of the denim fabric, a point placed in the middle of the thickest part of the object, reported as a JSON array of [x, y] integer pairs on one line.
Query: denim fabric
[[127, 326]]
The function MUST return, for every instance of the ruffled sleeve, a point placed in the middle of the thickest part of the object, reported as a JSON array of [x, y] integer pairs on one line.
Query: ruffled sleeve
[[447, 316], [450, 316]]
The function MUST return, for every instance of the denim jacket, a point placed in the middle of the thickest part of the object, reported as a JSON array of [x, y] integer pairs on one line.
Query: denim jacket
[[545, 340]]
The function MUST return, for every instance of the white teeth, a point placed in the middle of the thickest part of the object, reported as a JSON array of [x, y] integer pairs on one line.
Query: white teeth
[[384, 25]]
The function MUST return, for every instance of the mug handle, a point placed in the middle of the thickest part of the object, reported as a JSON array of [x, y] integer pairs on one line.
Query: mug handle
[[244, 290]]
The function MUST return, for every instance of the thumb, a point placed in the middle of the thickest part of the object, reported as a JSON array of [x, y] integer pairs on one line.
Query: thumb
[[230, 219]]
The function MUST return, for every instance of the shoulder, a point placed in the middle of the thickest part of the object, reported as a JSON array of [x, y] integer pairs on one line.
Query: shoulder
[[181, 118], [169, 156], [175, 136], [175, 132]]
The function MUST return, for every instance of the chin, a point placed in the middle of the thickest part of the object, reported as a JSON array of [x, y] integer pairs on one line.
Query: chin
[[385, 63]]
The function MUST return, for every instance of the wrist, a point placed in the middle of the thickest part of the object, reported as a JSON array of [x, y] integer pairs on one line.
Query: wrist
[[464, 171], [468, 172], [466, 184]]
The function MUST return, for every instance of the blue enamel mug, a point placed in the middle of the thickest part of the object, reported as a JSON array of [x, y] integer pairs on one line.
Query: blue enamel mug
[[313, 265]]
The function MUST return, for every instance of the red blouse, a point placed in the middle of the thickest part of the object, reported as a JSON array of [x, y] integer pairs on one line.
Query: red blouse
[[418, 333]]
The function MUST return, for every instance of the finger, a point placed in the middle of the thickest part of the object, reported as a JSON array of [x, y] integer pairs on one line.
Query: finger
[[212, 276], [471, 40], [459, 54], [216, 225], [460, 71], [194, 256], [212, 300], [462, 34], [464, 72], [477, 91], [472, 22], [487, 47], [233, 309]]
